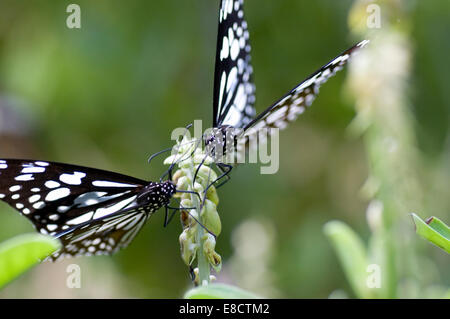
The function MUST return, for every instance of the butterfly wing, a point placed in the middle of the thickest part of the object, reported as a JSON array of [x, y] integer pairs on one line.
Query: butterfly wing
[[294, 103], [56, 196], [234, 91], [103, 236]]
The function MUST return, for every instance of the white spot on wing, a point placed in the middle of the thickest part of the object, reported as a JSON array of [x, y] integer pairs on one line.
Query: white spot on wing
[[39, 205], [72, 179], [235, 48], [34, 198], [24, 178], [15, 188], [57, 194], [114, 208], [111, 184], [52, 184], [90, 198], [81, 219], [33, 169], [53, 217], [41, 163], [63, 209]]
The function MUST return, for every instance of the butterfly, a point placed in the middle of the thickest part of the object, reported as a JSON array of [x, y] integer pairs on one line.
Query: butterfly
[[235, 122], [91, 211]]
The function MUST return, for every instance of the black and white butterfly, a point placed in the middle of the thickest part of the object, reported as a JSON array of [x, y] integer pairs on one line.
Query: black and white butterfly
[[91, 211], [234, 115]]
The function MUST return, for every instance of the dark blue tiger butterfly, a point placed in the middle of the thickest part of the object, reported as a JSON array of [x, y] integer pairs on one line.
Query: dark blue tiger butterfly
[[91, 211], [234, 115]]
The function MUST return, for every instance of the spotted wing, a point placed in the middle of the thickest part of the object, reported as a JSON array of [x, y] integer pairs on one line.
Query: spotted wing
[[56, 197], [294, 103], [234, 91], [103, 236]]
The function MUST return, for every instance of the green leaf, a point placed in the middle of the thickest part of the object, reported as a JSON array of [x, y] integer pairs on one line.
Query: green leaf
[[219, 291], [20, 253], [352, 255], [433, 230]]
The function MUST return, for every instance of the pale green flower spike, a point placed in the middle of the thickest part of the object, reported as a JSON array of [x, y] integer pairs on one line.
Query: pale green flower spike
[[197, 243]]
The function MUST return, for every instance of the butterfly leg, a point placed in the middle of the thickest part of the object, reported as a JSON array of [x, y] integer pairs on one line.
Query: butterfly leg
[[189, 192], [226, 170], [198, 168], [167, 219]]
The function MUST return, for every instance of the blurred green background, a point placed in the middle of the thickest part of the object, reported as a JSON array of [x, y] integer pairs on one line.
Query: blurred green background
[[109, 94]]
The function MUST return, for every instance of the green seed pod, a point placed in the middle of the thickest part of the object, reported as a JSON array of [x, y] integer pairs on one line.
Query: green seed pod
[[200, 157], [186, 202], [209, 244], [212, 195], [188, 247], [198, 187], [169, 160], [206, 174], [196, 277], [177, 175], [210, 218]]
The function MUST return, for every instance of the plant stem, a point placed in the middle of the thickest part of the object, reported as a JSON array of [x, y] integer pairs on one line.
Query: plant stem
[[203, 264]]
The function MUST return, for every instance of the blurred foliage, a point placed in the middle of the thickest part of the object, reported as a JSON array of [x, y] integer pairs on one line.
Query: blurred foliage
[[108, 96], [22, 252], [433, 230], [219, 291]]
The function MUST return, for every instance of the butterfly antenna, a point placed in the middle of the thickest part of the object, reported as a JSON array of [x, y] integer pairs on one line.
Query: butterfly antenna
[[158, 153], [169, 170], [175, 161]]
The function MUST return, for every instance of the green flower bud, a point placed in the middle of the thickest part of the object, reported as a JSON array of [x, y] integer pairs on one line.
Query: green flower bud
[[206, 174], [186, 202], [198, 188], [188, 247], [196, 277], [200, 157], [209, 244], [210, 218], [212, 195]]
